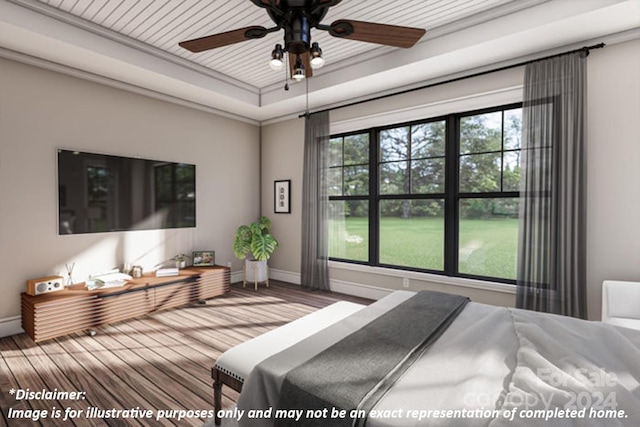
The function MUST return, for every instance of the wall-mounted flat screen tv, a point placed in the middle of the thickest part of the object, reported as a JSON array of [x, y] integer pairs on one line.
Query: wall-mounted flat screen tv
[[100, 193]]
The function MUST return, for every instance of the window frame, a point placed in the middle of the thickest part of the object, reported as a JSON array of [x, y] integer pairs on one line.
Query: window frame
[[451, 196]]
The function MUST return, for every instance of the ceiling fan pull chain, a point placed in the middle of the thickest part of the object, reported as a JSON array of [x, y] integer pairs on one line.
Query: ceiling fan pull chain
[[286, 72], [306, 111]]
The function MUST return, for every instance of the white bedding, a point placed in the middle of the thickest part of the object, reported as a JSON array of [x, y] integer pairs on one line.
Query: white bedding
[[492, 362], [240, 360]]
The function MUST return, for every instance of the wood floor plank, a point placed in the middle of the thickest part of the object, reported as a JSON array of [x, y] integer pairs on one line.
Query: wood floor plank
[[84, 376], [186, 347], [27, 377], [8, 382], [158, 361], [163, 392], [103, 369], [55, 379], [178, 341], [194, 384], [195, 361]]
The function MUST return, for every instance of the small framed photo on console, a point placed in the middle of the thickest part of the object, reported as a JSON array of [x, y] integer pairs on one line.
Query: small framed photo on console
[[204, 258]]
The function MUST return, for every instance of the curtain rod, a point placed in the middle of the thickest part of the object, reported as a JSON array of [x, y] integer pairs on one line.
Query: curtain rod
[[584, 49]]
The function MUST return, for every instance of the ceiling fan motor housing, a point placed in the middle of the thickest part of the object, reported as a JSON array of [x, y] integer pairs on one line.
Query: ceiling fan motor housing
[[297, 34]]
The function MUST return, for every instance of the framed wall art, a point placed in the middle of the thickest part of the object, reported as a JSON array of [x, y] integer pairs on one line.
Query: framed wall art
[[282, 196]]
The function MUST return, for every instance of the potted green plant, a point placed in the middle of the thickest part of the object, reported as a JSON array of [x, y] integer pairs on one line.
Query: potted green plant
[[181, 260], [255, 244]]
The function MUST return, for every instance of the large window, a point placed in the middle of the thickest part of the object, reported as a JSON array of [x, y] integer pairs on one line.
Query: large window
[[349, 188], [411, 195], [438, 195], [489, 178]]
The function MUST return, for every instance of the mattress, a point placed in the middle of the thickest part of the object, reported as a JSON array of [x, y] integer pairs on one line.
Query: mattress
[[493, 366]]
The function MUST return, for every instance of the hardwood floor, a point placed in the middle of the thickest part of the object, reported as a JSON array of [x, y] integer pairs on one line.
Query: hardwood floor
[[157, 362]]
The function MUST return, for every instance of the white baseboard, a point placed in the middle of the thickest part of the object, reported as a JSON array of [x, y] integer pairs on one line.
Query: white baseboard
[[340, 286], [236, 277], [359, 290], [11, 326], [285, 276]]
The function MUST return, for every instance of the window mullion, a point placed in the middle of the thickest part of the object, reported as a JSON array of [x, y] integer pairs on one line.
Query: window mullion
[[374, 212], [452, 137]]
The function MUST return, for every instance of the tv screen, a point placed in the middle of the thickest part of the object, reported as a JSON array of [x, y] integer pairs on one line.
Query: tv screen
[[99, 193]]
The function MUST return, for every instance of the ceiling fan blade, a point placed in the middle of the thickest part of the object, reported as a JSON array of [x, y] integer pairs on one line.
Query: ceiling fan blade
[[224, 39], [306, 61], [266, 3], [389, 35]]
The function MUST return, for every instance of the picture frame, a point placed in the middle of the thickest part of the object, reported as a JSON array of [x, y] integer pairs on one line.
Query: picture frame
[[204, 258], [282, 196]]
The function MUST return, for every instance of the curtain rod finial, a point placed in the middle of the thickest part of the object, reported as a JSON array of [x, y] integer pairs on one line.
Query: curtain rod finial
[[584, 52]]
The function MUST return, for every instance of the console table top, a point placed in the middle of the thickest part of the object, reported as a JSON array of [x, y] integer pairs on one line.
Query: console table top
[[148, 280]]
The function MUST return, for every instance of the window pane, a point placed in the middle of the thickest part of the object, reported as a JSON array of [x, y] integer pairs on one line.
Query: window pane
[[511, 171], [481, 133], [394, 178], [349, 229], [356, 180], [480, 173], [394, 144], [427, 176], [335, 152], [428, 140], [512, 128], [356, 149], [335, 182], [488, 244], [412, 233]]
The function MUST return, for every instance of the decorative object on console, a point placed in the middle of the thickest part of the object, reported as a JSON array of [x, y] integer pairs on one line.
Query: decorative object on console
[[256, 240], [204, 258], [282, 196], [110, 279], [44, 285], [136, 271], [69, 268], [181, 260], [167, 272]]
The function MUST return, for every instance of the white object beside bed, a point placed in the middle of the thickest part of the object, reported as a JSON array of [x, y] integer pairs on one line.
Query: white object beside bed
[[239, 361], [621, 303]]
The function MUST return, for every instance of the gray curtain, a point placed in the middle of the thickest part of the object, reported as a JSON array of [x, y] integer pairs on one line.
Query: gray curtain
[[315, 202], [552, 245]]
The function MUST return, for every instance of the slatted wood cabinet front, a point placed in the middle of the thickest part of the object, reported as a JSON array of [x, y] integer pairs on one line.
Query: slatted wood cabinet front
[[76, 309]]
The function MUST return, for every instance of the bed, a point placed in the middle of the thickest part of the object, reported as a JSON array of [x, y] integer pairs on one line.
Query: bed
[[234, 366], [476, 365]]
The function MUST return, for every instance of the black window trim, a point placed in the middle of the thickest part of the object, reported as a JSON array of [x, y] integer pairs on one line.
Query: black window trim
[[451, 196]]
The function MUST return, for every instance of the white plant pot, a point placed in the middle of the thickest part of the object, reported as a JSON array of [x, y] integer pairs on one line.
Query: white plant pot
[[256, 271]]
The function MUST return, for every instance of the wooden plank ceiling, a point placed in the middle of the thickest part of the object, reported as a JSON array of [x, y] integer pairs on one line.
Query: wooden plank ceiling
[[164, 23]]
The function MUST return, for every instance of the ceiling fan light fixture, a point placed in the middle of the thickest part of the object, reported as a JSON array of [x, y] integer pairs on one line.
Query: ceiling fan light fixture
[[317, 61], [298, 70], [277, 54], [297, 18]]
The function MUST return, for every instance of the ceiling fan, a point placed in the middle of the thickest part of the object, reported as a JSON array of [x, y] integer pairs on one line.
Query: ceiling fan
[[296, 18]]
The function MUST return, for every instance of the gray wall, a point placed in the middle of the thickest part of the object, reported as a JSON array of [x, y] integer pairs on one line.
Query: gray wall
[[613, 159], [41, 111]]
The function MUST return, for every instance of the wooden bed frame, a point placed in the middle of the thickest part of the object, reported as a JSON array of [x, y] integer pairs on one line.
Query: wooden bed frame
[[219, 379]]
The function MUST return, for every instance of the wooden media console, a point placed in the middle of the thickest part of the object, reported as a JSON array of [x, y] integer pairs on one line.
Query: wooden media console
[[77, 309]]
